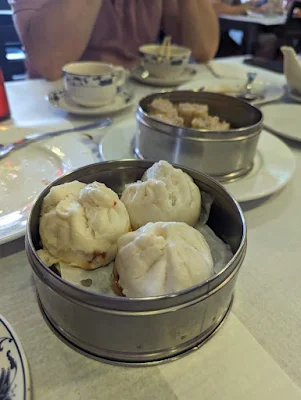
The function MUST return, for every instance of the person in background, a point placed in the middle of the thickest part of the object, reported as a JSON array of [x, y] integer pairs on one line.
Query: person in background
[[289, 4], [56, 32], [266, 42], [231, 7]]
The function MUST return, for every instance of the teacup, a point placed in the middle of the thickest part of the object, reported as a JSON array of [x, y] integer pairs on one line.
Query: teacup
[[161, 66], [93, 84]]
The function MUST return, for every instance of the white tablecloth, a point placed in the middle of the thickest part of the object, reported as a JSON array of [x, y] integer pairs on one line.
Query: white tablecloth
[[256, 355]]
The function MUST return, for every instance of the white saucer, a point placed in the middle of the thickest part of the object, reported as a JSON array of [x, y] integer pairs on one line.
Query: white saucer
[[14, 371], [187, 75], [26, 172], [60, 99], [274, 162], [268, 91], [283, 119]]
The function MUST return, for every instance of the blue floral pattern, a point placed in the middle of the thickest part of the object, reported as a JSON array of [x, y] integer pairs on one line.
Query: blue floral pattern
[[173, 60], [14, 375], [56, 96], [90, 81], [8, 375]]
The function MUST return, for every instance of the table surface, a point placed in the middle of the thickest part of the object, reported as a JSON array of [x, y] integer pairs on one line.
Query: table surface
[[255, 18], [256, 354]]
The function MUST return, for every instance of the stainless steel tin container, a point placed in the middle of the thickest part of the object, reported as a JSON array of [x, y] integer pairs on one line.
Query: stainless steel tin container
[[148, 330], [224, 155]]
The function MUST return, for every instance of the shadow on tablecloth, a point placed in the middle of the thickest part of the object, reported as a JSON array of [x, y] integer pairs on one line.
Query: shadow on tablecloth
[[13, 247]]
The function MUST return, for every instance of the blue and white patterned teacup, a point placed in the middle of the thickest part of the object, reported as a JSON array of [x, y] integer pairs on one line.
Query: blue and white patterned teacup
[[93, 84], [164, 66]]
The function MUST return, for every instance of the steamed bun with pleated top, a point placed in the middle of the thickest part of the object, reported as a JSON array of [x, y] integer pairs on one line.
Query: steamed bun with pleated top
[[80, 224], [164, 194], [161, 258]]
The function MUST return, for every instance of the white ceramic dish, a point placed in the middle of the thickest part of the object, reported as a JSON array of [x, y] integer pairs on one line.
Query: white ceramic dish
[[163, 65], [60, 99], [283, 119], [24, 173], [269, 91], [226, 70], [274, 162], [93, 83], [14, 371], [188, 74]]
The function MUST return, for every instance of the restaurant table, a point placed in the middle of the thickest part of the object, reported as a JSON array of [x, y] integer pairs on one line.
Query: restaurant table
[[255, 355], [250, 25]]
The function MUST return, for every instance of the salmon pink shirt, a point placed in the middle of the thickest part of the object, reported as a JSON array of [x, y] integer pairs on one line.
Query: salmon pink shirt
[[121, 27]]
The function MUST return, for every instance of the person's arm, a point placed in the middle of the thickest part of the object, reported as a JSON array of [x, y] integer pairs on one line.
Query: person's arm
[[288, 6], [194, 24], [222, 8], [57, 33]]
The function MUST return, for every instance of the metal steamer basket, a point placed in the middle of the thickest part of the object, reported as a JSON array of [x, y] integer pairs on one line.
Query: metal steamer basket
[[225, 155], [139, 331]]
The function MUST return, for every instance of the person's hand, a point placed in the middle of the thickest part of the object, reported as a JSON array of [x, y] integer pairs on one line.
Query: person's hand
[[259, 6], [262, 9], [297, 13], [245, 7]]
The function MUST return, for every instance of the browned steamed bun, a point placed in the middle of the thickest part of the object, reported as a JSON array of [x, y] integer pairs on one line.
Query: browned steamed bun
[[80, 225]]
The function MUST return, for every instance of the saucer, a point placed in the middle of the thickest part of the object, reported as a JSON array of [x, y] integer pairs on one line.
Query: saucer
[[15, 377], [274, 163], [60, 99], [265, 91], [188, 73], [283, 119]]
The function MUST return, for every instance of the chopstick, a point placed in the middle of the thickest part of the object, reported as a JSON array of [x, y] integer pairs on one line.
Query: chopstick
[[165, 49]]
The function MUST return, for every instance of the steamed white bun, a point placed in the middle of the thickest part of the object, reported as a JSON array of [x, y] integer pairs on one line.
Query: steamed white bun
[[163, 194], [80, 224], [162, 258]]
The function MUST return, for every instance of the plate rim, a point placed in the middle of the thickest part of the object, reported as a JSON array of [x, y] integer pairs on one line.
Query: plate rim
[[89, 158], [22, 355], [250, 197], [266, 193], [275, 131], [203, 82], [90, 111]]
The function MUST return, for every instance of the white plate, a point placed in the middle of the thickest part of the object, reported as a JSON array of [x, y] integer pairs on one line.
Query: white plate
[[269, 91], [14, 371], [60, 99], [228, 70], [283, 119], [274, 162], [187, 75], [26, 172]]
